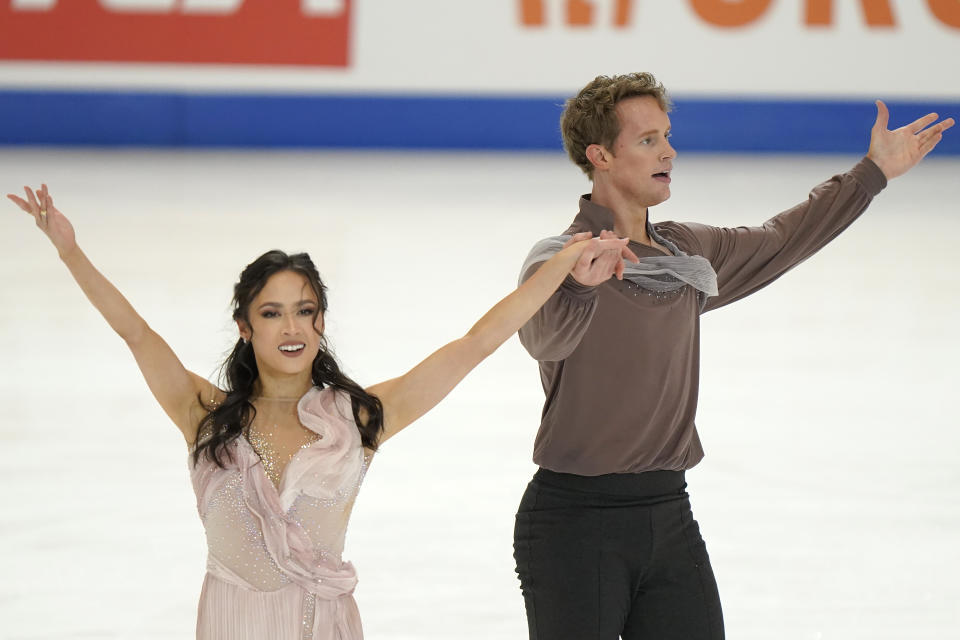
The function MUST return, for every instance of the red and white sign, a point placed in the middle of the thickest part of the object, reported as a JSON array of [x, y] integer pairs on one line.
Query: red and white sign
[[771, 48], [277, 32]]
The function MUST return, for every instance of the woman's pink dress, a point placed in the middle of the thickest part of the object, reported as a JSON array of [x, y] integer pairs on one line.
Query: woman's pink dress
[[274, 568]]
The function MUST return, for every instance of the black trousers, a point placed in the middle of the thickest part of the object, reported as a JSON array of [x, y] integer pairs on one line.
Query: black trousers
[[614, 556]]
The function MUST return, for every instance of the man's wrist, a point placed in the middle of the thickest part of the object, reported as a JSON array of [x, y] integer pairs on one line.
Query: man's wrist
[[871, 175], [576, 289]]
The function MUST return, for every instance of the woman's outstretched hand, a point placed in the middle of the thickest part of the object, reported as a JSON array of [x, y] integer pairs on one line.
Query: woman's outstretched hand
[[47, 217], [601, 257]]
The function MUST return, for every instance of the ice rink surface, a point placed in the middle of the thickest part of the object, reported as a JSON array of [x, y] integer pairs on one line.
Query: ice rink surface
[[828, 497]]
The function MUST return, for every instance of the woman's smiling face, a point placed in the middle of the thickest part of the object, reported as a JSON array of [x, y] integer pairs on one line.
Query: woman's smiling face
[[285, 325]]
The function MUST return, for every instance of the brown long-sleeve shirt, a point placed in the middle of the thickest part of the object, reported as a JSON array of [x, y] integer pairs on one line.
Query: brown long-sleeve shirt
[[620, 365]]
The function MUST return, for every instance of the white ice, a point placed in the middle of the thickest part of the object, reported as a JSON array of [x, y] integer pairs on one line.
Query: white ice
[[828, 497]]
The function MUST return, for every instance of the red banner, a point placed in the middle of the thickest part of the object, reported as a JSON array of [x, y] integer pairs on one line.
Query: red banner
[[255, 32]]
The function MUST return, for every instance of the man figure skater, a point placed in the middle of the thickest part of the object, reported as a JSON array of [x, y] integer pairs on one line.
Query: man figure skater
[[605, 541]]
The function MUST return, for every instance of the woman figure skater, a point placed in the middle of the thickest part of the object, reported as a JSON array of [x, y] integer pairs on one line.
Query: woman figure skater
[[277, 455]]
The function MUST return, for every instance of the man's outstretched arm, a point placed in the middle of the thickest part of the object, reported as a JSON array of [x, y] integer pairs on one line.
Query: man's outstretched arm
[[749, 258]]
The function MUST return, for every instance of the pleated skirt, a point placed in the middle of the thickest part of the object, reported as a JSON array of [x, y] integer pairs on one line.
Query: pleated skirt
[[230, 612]]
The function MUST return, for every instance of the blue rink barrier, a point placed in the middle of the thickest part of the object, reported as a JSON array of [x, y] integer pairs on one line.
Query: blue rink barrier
[[157, 119]]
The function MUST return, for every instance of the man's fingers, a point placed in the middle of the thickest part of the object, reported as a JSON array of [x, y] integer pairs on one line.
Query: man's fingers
[[586, 257], [614, 243], [934, 132], [607, 262], [920, 124], [883, 116], [926, 134], [577, 237], [940, 127], [928, 144], [623, 251], [602, 258], [615, 265]]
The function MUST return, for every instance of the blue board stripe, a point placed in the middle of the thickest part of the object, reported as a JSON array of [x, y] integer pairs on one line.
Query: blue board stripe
[[149, 119]]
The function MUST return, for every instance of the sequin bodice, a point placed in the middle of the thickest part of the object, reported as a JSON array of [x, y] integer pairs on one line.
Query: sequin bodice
[[273, 455], [264, 534]]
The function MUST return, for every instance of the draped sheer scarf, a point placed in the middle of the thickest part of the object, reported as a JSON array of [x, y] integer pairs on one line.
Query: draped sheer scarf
[[653, 273]]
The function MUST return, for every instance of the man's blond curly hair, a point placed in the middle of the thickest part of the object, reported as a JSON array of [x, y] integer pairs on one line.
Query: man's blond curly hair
[[590, 117]]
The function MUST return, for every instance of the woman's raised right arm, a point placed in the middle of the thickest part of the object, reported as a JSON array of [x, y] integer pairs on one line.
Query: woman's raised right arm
[[175, 388]]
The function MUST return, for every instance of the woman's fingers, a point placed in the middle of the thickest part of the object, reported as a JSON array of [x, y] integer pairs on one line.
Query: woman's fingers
[[20, 202], [30, 205], [42, 203], [38, 203], [34, 205]]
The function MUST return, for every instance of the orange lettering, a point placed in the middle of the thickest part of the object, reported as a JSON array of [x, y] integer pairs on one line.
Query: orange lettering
[[819, 12], [531, 13], [946, 11], [730, 13], [622, 16], [580, 12], [877, 13]]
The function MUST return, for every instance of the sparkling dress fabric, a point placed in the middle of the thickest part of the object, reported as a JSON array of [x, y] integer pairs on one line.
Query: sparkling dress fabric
[[274, 567]]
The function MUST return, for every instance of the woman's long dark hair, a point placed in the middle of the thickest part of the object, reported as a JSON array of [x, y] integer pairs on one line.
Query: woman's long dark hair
[[226, 421]]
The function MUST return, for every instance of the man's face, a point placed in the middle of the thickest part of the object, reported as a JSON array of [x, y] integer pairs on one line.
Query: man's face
[[642, 159]]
